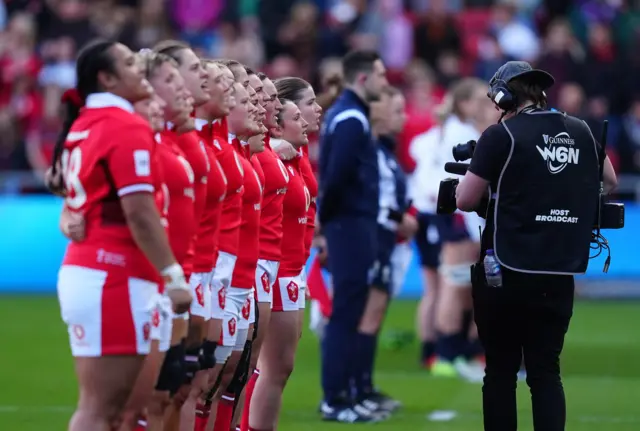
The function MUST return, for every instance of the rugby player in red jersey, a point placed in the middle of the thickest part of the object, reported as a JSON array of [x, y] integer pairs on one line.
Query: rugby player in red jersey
[[108, 284], [301, 93], [196, 82], [270, 236], [255, 146], [206, 245], [278, 350], [242, 126], [178, 206]]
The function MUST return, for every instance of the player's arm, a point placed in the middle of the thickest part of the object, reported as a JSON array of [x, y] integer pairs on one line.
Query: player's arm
[[130, 165]]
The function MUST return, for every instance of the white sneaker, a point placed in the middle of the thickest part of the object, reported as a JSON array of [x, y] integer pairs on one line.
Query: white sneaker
[[471, 371]]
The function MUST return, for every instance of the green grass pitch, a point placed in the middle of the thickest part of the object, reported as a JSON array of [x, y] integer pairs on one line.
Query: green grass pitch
[[601, 374]]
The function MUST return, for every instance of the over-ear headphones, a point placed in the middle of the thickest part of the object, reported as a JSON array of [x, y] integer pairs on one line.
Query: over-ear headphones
[[500, 94]]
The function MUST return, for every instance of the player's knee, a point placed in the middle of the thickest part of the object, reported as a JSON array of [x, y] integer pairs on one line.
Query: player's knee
[[191, 363], [160, 400], [197, 328], [456, 275]]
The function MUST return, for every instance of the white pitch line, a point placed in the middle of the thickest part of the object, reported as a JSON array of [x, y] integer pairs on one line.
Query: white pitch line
[[36, 409], [309, 414]]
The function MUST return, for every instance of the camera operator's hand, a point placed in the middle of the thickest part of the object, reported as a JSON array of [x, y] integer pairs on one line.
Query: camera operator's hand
[[408, 227]]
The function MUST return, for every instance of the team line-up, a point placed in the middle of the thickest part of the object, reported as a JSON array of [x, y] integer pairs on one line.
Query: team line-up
[[190, 205]]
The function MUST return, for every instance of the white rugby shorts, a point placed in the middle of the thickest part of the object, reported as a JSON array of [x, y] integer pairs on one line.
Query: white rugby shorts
[[302, 296], [162, 323], [234, 329], [220, 282], [106, 313], [248, 311], [266, 274], [200, 284], [287, 293]]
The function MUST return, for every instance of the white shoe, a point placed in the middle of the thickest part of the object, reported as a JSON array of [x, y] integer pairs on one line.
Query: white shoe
[[471, 371]]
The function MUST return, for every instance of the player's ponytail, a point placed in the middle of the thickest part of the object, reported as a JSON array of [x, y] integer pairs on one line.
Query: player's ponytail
[[71, 102], [92, 59]]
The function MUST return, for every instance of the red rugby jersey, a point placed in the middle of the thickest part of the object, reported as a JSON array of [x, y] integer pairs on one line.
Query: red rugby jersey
[[244, 272], [294, 221], [231, 214], [110, 152], [312, 185], [275, 188], [207, 236], [178, 197]]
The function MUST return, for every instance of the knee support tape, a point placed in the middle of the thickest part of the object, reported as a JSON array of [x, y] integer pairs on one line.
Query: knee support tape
[[192, 363], [173, 370], [207, 356], [458, 275]]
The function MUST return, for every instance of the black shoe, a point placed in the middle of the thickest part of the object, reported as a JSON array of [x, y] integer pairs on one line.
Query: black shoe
[[385, 402], [346, 414]]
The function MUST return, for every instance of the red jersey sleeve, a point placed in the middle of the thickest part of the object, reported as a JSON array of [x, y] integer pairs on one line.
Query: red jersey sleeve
[[130, 161]]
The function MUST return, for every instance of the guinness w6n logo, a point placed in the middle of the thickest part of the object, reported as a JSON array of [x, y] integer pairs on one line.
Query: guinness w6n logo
[[558, 152]]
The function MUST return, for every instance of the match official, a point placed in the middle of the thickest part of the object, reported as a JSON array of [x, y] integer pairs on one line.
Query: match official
[[348, 209], [542, 170]]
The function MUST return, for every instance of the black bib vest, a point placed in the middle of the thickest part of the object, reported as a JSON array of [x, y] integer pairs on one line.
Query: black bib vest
[[547, 195]]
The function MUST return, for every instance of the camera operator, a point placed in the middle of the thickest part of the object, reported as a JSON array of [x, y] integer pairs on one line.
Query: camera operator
[[542, 170]]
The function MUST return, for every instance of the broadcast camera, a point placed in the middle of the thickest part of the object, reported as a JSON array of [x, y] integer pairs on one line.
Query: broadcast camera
[[447, 192], [610, 215]]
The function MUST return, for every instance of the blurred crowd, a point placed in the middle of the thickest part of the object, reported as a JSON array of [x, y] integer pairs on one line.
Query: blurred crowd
[[592, 47]]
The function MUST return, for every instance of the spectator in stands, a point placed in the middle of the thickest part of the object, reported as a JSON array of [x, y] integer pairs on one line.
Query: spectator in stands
[[561, 55], [515, 38], [299, 35], [435, 33], [151, 24], [448, 68], [490, 57], [422, 95], [571, 99], [20, 100], [630, 139], [604, 66]]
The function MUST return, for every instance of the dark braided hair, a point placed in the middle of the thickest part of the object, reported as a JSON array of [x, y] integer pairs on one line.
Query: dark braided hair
[[93, 58]]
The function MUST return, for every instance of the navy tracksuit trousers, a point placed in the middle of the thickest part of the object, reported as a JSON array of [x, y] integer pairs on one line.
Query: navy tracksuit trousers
[[352, 246]]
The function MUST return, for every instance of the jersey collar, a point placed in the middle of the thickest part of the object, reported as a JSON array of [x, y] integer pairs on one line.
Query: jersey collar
[[108, 100], [232, 137], [200, 123]]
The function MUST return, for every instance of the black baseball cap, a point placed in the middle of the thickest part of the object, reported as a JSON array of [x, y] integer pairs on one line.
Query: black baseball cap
[[522, 70]]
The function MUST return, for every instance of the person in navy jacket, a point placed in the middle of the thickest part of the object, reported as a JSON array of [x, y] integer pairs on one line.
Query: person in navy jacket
[[395, 223], [348, 211]]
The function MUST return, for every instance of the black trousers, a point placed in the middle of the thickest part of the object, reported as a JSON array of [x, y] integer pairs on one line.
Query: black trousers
[[528, 318]]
